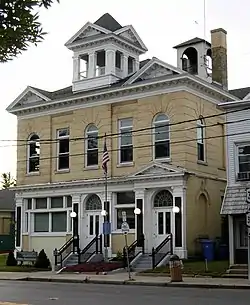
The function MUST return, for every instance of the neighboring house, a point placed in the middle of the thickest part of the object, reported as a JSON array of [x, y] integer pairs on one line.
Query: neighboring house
[[161, 144], [238, 177], [7, 219]]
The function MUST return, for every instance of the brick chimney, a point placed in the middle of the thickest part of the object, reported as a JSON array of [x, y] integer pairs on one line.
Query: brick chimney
[[219, 56]]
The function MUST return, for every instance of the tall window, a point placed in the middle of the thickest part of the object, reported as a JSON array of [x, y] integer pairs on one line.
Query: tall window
[[33, 154], [63, 149], [91, 145], [126, 141], [161, 136], [244, 162], [200, 140]]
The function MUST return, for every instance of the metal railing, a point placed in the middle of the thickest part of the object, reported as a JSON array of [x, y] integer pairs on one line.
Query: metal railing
[[61, 254], [132, 254], [93, 247], [160, 252]]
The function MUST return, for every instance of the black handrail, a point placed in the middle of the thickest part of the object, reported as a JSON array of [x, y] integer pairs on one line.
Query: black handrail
[[62, 253], [97, 241], [131, 250], [155, 251]]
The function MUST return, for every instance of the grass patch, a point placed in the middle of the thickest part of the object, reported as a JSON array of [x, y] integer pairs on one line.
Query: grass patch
[[24, 268], [194, 268]]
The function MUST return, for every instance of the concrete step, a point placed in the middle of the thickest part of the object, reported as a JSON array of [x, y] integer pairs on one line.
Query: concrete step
[[238, 266], [235, 276], [237, 271]]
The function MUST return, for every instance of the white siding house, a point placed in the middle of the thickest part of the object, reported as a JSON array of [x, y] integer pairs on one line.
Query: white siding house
[[238, 176]]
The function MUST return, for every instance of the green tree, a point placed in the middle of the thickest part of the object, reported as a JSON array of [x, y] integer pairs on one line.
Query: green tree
[[7, 180], [20, 26]]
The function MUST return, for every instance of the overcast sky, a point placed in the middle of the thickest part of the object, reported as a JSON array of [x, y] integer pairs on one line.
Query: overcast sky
[[160, 23]]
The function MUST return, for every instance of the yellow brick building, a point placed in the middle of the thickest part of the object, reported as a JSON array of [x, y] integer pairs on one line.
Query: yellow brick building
[[164, 137]]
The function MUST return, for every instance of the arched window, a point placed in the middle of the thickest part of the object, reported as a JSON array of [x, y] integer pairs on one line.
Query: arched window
[[33, 153], [91, 145], [200, 139], [161, 137], [93, 203], [163, 199]]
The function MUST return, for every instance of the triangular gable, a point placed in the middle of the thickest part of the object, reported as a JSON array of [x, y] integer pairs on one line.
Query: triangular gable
[[158, 169], [28, 96], [154, 68], [129, 33], [89, 29]]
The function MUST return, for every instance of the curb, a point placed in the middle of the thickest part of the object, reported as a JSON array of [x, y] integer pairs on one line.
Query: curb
[[138, 283]]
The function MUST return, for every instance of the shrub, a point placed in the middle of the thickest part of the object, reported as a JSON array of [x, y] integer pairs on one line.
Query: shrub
[[11, 260], [42, 261]]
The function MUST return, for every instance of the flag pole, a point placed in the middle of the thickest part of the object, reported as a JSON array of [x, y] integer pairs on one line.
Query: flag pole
[[106, 218]]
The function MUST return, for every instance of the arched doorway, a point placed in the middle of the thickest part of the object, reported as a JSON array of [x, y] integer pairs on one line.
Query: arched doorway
[[93, 223], [162, 216]]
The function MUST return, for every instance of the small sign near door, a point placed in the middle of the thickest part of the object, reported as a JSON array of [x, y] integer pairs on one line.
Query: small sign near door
[[124, 216], [248, 196], [248, 219], [125, 227]]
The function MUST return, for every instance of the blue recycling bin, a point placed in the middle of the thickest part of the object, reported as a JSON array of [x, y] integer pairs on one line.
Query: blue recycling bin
[[208, 249]]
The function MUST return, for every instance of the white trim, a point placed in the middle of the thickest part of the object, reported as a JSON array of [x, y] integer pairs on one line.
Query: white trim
[[84, 28], [237, 145], [148, 65], [131, 28], [145, 93], [237, 103]]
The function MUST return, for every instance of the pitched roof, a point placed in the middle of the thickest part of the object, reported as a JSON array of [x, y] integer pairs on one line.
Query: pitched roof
[[240, 92], [234, 201], [108, 22], [7, 200], [190, 42]]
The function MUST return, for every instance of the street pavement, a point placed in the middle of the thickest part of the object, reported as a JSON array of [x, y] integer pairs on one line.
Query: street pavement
[[35, 293]]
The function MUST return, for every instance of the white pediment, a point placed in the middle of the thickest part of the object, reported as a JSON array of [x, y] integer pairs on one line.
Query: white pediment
[[88, 30], [157, 169], [247, 97], [28, 97], [154, 68]]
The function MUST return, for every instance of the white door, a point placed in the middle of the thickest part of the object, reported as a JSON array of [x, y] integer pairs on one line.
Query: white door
[[93, 225], [162, 225]]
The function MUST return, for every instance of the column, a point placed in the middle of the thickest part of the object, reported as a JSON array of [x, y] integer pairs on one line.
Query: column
[[76, 223], [231, 239], [136, 65], [76, 68], [139, 219], [110, 61], [124, 65], [91, 64], [19, 222]]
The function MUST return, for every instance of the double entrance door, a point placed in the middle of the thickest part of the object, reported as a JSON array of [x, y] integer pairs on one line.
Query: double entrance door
[[93, 225], [162, 225]]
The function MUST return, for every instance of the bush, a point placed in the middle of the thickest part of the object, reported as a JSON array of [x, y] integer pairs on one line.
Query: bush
[[11, 260], [42, 261]]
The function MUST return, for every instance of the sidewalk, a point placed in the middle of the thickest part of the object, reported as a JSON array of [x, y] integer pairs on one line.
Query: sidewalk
[[122, 279]]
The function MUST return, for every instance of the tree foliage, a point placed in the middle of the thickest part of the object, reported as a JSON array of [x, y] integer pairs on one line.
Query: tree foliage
[[8, 181], [20, 26]]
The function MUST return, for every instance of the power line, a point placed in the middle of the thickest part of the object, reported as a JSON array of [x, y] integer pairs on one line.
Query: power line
[[143, 146], [137, 130], [143, 134]]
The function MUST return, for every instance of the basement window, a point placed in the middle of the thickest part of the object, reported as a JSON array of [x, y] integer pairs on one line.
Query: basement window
[[63, 149]]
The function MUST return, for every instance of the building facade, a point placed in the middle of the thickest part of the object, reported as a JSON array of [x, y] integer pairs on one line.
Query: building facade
[[238, 177], [161, 124]]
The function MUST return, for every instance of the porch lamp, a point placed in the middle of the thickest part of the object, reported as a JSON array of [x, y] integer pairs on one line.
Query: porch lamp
[[137, 211], [176, 209], [104, 213], [73, 215]]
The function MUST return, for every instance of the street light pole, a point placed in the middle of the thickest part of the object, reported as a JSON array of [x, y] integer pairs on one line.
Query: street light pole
[[248, 228]]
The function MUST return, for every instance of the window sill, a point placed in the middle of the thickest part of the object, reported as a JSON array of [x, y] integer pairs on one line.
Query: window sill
[[119, 232], [32, 174], [52, 234], [62, 171], [222, 168], [162, 159], [92, 167], [202, 163], [127, 164]]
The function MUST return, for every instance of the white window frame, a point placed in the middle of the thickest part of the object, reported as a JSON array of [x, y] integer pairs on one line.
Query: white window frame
[[58, 147], [200, 125], [120, 128], [237, 146], [88, 133], [30, 141], [31, 215], [155, 124]]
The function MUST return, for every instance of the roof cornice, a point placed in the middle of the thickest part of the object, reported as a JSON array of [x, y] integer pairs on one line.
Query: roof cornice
[[235, 104]]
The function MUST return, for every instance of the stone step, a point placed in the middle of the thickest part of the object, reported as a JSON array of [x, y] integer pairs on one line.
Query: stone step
[[235, 276], [238, 266], [237, 271]]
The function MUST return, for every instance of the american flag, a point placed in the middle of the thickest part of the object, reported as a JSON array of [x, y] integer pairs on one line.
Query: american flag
[[105, 156]]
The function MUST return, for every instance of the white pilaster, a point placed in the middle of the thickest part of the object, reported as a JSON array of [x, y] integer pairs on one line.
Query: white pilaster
[[76, 68], [109, 61], [231, 239], [92, 65], [136, 65], [124, 65]]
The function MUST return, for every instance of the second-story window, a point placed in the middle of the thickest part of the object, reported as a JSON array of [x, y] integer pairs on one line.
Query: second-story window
[[125, 140], [63, 149], [244, 162], [33, 154], [200, 140], [161, 137], [91, 145]]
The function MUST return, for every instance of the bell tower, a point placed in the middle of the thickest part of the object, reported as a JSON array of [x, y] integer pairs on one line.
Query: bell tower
[[104, 52]]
